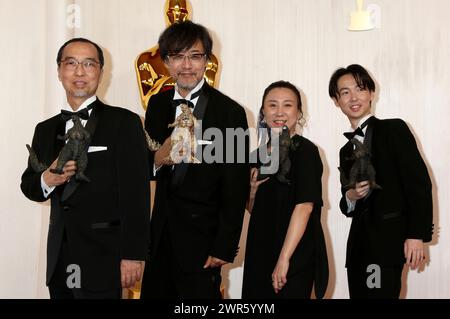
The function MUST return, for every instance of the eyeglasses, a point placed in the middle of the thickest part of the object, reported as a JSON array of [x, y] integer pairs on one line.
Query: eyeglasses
[[193, 58], [88, 64]]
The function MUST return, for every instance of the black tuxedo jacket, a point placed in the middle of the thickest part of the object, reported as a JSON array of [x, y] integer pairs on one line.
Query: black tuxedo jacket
[[203, 212], [107, 219], [402, 209]]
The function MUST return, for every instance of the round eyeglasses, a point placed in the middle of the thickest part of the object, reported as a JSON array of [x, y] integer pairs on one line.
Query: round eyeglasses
[[71, 64]]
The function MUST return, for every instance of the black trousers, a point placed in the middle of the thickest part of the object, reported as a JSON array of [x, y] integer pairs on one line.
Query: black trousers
[[364, 284], [59, 289], [163, 278]]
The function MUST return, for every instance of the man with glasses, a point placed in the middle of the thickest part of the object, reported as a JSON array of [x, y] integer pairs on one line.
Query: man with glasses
[[198, 209], [98, 232]]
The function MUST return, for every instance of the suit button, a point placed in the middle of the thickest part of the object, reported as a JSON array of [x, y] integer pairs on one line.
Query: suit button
[[66, 208]]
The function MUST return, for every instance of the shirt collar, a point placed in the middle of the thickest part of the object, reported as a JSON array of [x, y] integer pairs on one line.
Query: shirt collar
[[177, 95], [361, 121]]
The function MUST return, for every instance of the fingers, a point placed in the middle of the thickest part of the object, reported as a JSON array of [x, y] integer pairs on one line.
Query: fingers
[[254, 178], [69, 170], [55, 162], [167, 142], [129, 279], [139, 274], [409, 257], [162, 156], [125, 280], [130, 273], [52, 179], [278, 283], [417, 258], [178, 152], [70, 166], [207, 263], [412, 260], [216, 262], [361, 190], [253, 174], [405, 251], [362, 184], [414, 253], [213, 262]]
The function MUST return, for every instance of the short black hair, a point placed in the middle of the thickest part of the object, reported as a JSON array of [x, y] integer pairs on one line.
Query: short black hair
[[182, 36], [275, 85], [360, 74], [101, 59]]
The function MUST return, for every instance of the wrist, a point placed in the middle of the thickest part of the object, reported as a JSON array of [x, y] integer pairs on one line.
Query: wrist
[[283, 258], [158, 161], [45, 178]]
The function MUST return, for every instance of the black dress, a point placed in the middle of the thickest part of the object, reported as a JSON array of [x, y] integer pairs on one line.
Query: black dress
[[272, 210]]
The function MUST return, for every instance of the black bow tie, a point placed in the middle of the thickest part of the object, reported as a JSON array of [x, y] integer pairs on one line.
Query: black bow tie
[[177, 102], [351, 135], [82, 114], [358, 131]]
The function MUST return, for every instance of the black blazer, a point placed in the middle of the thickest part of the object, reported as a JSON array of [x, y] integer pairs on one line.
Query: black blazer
[[402, 209], [204, 211], [107, 219]]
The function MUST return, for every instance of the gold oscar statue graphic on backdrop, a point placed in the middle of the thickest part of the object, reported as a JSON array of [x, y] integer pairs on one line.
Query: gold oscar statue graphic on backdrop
[[152, 74]]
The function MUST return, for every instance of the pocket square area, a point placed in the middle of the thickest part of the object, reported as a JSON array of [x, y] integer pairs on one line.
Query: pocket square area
[[92, 149]]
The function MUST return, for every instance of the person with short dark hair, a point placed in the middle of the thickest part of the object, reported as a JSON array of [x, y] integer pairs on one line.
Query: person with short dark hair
[[392, 221], [199, 207], [98, 232], [286, 253]]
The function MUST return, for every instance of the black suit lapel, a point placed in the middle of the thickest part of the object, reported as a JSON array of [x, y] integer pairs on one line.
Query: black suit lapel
[[171, 113], [200, 108], [369, 133], [199, 111], [90, 127], [91, 124]]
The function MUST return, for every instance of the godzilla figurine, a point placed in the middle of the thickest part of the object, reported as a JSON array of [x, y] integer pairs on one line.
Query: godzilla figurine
[[36, 165], [152, 145], [362, 168], [78, 139], [183, 136], [286, 144]]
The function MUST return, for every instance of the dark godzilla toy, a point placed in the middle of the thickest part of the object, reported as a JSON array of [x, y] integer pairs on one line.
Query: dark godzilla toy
[[362, 168], [78, 139], [285, 145]]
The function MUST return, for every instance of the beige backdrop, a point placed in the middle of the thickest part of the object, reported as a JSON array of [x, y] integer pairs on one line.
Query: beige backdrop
[[257, 42]]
